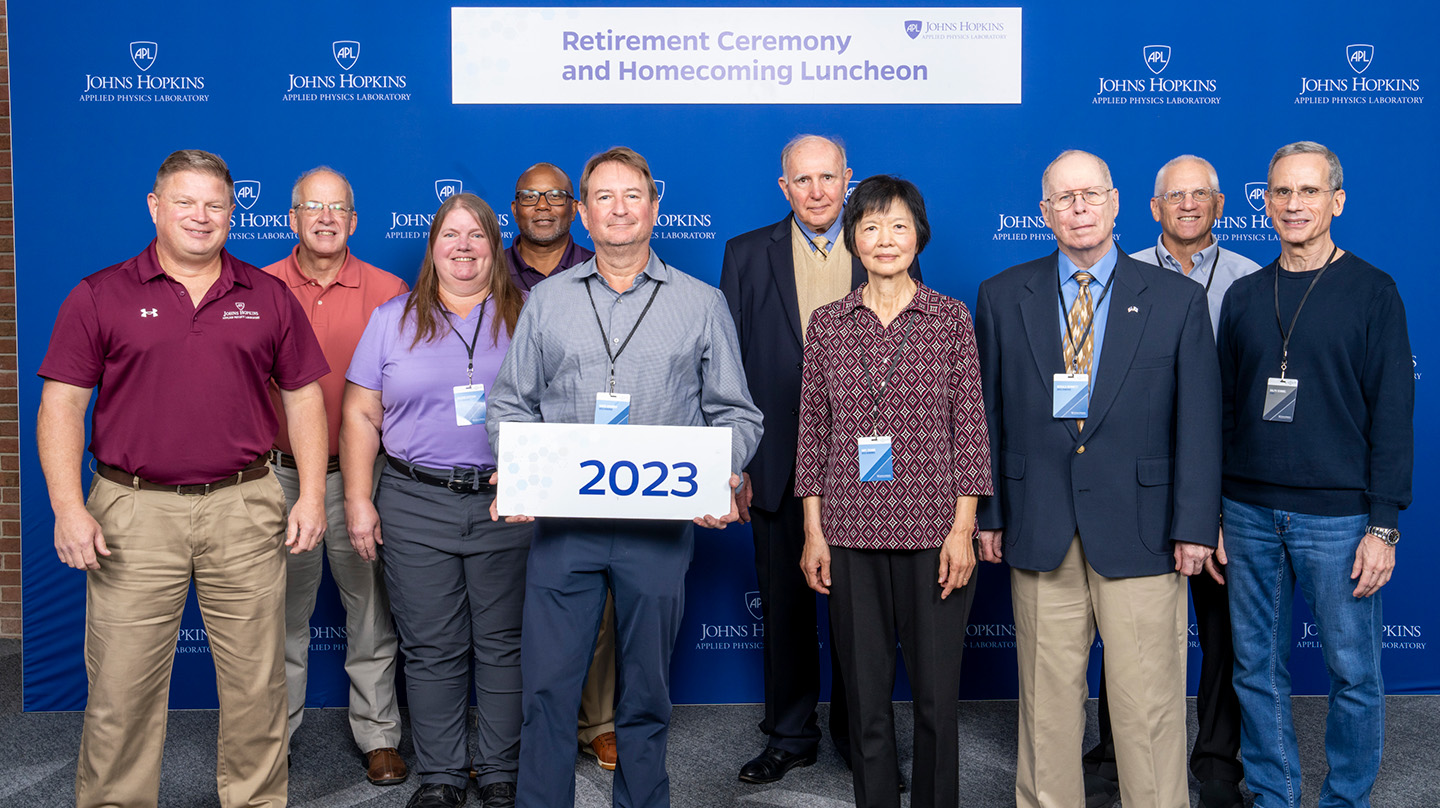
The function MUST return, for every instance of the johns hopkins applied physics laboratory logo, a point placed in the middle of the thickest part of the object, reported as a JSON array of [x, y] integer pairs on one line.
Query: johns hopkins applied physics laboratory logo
[[252, 224], [1155, 88], [952, 28], [1359, 88], [735, 636], [1254, 227], [143, 87], [324, 85], [416, 225], [684, 226]]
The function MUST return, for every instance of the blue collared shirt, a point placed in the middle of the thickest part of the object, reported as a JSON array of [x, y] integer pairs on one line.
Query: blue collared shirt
[[1228, 267], [681, 368], [833, 235], [1103, 271]]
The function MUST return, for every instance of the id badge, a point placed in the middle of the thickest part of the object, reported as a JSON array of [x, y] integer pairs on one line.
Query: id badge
[[877, 464], [612, 408], [1280, 396], [1070, 395], [469, 404]]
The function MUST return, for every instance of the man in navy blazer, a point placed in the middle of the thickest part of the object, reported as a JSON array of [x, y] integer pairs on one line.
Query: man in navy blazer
[[771, 300], [1096, 516]]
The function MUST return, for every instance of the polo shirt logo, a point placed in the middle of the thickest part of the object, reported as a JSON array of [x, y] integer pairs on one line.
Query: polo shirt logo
[[239, 313], [149, 312]]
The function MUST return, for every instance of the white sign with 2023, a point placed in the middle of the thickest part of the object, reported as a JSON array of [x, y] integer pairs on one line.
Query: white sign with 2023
[[609, 55], [613, 472]]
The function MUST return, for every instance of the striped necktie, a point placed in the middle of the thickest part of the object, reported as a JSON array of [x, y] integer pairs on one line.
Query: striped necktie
[[1082, 313]]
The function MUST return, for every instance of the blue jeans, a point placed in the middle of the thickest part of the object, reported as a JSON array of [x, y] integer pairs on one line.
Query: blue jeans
[[1269, 551]]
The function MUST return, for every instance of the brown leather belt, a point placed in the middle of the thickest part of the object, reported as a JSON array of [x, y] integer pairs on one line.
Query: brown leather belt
[[288, 461], [257, 468]]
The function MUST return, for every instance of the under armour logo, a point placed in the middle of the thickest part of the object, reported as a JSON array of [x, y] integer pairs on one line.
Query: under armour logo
[[149, 312]]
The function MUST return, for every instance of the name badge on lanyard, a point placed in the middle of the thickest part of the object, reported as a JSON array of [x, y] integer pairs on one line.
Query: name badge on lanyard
[[469, 404], [612, 408], [1281, 393], [877, 463], [1070, 395], [1280, 397]]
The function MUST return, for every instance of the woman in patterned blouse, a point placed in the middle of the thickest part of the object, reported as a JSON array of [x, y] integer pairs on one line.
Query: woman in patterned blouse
[[893, 455]]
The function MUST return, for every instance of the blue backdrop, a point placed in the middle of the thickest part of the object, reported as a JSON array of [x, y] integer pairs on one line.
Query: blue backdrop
[[103, 91]]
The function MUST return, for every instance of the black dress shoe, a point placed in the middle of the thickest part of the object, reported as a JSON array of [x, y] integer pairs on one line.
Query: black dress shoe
[[1220, 794], [769, 766], [1100, 792], [436, 795], [498, 795]]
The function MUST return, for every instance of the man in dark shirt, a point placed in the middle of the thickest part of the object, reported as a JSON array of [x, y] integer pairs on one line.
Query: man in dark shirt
[[1319, 447], [544, 208], [182, 342]]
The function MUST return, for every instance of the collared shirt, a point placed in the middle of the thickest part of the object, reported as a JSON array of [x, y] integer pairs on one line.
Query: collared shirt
[[526, 276], [931, 408], [183, 389], [833, 235], [338, 314], [1227, 268], [1070, 289], [417, 383], [681, 368]]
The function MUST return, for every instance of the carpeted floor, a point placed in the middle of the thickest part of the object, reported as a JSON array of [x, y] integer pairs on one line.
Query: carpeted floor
[[707, 747]]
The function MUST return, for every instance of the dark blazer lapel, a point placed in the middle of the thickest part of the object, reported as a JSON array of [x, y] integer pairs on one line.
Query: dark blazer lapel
[[1041, 315], [782, 267], [1123, 329]]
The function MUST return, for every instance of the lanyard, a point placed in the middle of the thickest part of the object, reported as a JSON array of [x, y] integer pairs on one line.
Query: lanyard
[[1286, 335], [1094, 312], [876, 395], [605, 338], [1214, 262], [469, 346]]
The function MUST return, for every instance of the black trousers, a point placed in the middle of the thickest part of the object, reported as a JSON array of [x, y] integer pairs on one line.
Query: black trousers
[[791, 656], [1216, 754], [877, 596]]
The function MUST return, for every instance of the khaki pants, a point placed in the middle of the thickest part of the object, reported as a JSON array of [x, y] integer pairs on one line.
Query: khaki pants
[[230, 543], [1142, 621], [597, 700]]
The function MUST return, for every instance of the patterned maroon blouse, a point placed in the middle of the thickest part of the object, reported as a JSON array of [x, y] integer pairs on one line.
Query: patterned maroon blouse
[[931, 409]]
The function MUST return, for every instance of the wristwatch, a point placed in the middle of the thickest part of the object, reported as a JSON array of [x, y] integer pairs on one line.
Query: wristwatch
[[1389, 535]]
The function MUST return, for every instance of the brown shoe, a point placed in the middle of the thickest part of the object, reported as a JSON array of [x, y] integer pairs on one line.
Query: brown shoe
[[385, 767], [603, 750]]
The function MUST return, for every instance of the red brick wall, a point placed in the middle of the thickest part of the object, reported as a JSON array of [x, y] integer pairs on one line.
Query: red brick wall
[[9, 422]]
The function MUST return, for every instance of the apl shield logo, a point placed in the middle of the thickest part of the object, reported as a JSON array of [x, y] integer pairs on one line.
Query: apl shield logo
[[913, 28], [1255, 195], [444, 189], [659, 190], [752, 603], [247, 193], [143, 54], [1157, 57], [1359, 56], [347, 53], [240, 306]]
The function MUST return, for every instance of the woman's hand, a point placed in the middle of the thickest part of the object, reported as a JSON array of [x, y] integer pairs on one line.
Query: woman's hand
[[957, 561], [815, 562], [363, 523]]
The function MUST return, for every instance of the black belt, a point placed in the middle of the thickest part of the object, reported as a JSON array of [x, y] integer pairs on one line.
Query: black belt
[[255, 470], [463, 480], [288, 461]]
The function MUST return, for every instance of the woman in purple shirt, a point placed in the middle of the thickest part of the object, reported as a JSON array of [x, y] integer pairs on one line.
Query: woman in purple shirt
[[893, 455], [455, 578]]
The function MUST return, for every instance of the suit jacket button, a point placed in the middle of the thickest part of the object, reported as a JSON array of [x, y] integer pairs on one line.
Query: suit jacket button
[[799, 365], [794, 412], [1080, 450]]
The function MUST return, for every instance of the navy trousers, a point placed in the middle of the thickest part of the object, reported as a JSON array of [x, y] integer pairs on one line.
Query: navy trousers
[[571, 564]]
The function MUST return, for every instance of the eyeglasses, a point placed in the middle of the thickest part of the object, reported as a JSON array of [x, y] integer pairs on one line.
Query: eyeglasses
[[1201, 195], [1305, 194], [313, 208], [1092, 196], [529, 198]]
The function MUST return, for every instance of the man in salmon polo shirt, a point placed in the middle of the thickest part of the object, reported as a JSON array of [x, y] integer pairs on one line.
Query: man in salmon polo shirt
[[338, 292]]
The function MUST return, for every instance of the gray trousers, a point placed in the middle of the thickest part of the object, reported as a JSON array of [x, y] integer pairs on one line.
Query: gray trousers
[[370, 644], [457, 587]]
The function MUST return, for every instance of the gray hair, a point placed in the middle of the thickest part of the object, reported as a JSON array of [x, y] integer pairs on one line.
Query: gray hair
[[1337, 175], [295, 189], [1045, 177], [200, 162], [569, 186], [1185, 158], [800, 140]]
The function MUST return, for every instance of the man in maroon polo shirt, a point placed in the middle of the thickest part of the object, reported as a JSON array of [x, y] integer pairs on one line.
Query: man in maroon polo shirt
[[338, 292], [544, 209], [181, 343]]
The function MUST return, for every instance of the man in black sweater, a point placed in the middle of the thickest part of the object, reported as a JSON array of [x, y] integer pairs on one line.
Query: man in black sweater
[[1319, 445]]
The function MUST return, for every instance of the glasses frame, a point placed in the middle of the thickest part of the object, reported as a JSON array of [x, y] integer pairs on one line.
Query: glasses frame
[[520, 197], [1102, 193], [337, 208], [1174, 198], [1306, 195]]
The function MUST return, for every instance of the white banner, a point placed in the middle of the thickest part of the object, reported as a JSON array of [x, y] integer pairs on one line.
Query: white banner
[[615, 472], [735, 55]]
